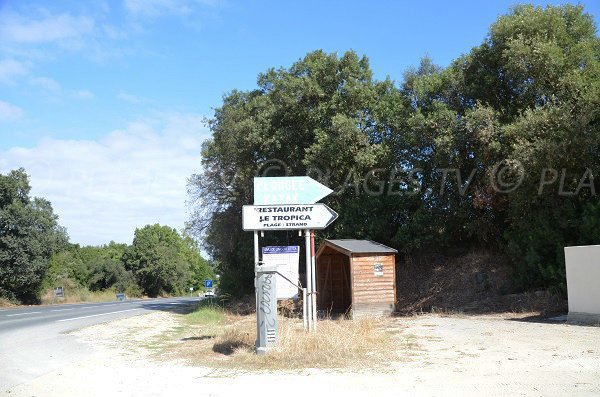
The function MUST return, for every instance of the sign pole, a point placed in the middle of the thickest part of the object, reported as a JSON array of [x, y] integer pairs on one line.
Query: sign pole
[[308, 279], [314, 279], [304, 313], [256, 262]]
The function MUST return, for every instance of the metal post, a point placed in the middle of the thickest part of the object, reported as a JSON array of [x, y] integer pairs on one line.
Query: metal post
[[314, 280], [256, 249], [256, 262], [304, 302], [304, 311], [308, 279]]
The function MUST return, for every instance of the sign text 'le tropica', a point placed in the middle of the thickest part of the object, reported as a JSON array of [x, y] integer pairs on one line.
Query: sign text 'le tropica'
[[288, 190], [287, 217]]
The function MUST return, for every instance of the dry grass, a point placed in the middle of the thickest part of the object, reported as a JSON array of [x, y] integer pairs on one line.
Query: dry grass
[[77, 296], [227, 340], [6, 303], [337, 344]]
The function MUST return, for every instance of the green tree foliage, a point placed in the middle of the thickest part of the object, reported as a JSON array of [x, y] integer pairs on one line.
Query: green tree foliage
[[425, 164], [164, 262], [29, 235], [106, 269], [67, 264], [200, 268], [322, 105]]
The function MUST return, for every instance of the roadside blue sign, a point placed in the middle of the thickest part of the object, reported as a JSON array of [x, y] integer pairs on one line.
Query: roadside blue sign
[[288, 190], [208, 283]]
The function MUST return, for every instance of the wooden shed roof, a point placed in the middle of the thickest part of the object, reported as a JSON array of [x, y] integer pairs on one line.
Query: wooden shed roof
[[351, 246]]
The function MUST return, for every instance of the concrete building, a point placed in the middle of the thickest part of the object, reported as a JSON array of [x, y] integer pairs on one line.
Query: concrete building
[[583, 283]]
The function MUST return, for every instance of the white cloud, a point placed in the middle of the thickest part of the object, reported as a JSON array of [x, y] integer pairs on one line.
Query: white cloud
[[9, 69], [127, 97], [82, 94], [10, 112], [46, 83], [52, 86], [50, 28], [102, 190], [155, 8]]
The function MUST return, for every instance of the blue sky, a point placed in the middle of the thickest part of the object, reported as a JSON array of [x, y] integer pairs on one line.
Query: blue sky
[[102, 102]]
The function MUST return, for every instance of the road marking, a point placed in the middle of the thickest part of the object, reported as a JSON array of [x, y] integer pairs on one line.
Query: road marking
[[96, 315], [60, 310], [21, 314]]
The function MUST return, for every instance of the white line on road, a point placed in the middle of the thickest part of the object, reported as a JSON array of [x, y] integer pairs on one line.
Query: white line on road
[[61, 310], [95, 315], [21, 314]]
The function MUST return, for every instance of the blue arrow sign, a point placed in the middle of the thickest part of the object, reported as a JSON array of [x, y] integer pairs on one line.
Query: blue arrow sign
[[288, 190]]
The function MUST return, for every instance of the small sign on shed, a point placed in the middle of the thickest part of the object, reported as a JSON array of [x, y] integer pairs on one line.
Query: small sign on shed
[[356, 277]]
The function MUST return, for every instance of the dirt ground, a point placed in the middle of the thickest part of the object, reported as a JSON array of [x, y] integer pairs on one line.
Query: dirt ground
[[504, 354]]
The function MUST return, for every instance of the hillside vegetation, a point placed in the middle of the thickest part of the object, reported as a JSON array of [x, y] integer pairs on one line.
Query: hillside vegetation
[[498, 150]]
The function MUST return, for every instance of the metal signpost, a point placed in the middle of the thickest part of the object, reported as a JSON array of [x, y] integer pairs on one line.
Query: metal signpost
[[284, 203], [59, 292]]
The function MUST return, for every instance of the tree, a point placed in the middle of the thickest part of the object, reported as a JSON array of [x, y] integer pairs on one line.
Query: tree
[[322, 113], [162, 261], [107, 273], [29, 235], [539, 70], [521, 103], [67, 264], [200, 268]]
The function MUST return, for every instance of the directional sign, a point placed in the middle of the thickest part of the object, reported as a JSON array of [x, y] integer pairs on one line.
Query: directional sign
[[208, 283], [288, 190], [287, 217]]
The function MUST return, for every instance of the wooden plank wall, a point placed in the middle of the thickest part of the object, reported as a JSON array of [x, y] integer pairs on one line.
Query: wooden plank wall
[[373, 295]]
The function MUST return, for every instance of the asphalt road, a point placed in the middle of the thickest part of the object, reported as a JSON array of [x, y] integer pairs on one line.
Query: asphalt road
[[35, 340]]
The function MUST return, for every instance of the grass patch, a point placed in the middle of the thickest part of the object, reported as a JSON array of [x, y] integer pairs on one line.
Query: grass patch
[[214, 337], [78, 295], [206, 314], [6, 303], [337, 344]]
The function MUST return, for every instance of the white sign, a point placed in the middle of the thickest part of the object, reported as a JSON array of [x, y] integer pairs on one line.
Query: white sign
[[288, 190], [287, 217], [286, 258]]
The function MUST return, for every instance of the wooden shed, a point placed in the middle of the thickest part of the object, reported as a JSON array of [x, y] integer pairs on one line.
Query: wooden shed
[[356, 277]]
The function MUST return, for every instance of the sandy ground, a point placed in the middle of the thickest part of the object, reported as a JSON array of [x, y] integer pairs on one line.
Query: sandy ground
[[452, 355]]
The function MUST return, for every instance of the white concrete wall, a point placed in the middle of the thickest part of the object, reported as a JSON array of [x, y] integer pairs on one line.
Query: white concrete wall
[[583, 283]]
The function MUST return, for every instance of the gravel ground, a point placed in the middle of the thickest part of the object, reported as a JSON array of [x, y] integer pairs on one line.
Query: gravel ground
[[451, 355]]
